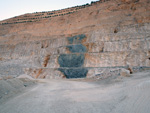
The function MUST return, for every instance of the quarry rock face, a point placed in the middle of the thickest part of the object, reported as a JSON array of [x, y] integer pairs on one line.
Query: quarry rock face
[[103, 39]]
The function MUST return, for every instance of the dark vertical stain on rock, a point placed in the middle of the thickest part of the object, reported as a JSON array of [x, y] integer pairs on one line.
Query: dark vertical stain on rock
[[76, 39], [74, 73], [77, 48], [71, 60], [71, 65]]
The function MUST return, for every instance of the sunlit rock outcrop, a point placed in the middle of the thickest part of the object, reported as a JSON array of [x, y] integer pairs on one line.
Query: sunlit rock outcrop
[[102, 39]]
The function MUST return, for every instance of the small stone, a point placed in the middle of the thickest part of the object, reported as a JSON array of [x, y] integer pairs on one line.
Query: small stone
[[125, 73], [25, 85]]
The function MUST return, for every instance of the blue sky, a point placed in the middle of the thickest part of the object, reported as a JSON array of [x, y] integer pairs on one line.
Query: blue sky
[[11, 8]]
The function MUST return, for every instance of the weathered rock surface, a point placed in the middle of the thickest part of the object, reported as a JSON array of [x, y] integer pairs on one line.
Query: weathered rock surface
[[103, 38]]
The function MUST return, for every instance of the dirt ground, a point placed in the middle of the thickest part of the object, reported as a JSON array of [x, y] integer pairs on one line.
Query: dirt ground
[[120, 95]]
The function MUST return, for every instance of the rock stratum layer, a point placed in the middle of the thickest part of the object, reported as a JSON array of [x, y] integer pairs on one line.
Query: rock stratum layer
[[101, 39]]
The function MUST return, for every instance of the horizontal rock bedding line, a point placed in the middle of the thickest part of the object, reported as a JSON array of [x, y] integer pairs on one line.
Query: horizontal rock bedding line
[[82, 72], [103, 36], [99, 47], [64, 42], [117, 67]]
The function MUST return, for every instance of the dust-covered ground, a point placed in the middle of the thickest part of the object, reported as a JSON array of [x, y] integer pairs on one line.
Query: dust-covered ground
[[119, 95]]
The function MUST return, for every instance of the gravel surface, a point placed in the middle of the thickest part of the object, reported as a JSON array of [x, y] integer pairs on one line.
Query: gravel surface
[[126, 95]]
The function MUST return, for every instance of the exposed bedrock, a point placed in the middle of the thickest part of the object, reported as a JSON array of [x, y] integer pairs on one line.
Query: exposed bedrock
[[106, 39], [78, 58], [75, 61]]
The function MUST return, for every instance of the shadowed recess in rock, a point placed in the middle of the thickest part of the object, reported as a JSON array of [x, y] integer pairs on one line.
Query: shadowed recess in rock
[[71, 60], [74, 73], [77, 48], [76, 39]]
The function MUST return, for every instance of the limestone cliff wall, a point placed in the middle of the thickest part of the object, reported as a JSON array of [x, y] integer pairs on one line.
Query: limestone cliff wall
[[100, 40]]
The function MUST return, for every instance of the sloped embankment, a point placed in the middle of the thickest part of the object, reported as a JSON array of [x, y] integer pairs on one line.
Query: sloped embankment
[[12, 87]]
